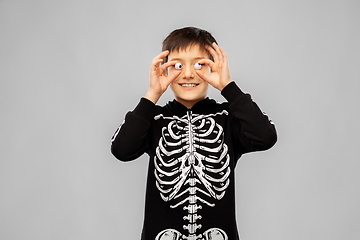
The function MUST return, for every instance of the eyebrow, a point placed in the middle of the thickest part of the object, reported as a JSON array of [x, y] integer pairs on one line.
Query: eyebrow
[[179, 59]]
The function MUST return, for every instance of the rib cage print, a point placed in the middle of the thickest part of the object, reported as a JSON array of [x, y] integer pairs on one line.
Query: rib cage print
[[192, 170]]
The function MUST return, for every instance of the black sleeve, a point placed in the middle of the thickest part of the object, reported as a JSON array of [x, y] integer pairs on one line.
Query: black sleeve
[[252, 128], [130, 139]]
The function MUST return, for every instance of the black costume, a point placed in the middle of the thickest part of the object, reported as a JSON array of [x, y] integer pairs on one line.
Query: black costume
[[193, 153]]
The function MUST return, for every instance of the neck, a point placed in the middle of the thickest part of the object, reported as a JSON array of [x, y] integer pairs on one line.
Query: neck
[[188, 103]]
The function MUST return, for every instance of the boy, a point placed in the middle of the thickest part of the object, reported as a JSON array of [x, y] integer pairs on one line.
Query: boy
[[193, 142]]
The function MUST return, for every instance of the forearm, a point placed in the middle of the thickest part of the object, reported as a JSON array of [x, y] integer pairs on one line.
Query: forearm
[[130, 140], [254, 129]]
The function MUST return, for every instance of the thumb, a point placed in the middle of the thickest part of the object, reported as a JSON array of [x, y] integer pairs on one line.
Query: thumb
[[173, 76], [204, 76]]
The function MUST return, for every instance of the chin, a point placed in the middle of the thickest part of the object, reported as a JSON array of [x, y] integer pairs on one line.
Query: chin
[[190, 98]]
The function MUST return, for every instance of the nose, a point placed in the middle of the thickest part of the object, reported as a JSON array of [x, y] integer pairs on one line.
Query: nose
[[187, 72]]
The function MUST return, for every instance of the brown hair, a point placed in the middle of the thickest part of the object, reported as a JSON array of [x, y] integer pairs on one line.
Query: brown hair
[[182, 38]]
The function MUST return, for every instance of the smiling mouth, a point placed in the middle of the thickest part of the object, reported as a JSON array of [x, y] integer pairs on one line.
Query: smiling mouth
[[188, 84]]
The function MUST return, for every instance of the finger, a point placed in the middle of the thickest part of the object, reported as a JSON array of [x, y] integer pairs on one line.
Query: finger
[[155, 64], [173, 76], [159, 58], [225, 58], [168, 64], [162, 54], [213, 53], [156, 61], [219, 53], [203, 76], [165, 66]]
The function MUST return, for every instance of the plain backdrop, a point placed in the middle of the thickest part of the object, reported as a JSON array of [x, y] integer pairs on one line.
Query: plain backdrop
[[70, 70]]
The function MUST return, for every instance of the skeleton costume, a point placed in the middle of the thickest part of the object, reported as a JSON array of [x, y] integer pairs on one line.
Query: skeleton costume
[[193, 152]]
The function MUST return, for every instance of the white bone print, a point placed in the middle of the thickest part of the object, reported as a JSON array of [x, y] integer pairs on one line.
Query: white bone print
[[192, 167]]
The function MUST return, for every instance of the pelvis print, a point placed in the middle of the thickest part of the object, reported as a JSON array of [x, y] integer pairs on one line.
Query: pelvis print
[[192, 169], [211, 234]]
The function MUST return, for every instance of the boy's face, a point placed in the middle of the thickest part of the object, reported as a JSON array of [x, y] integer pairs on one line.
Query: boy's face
[[188, 87]]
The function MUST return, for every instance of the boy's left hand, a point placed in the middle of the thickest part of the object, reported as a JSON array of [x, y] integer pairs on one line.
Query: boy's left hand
[[220, 76]]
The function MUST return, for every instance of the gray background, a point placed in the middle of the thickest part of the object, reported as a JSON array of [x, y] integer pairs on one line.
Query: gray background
[[70, 70]]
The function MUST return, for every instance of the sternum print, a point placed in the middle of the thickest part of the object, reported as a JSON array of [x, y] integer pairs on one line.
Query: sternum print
[[192, 208], [192, 167], [191, 139]]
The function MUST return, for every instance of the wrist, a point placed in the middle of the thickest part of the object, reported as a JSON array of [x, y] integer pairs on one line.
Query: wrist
[[153, 97], [223, 85]]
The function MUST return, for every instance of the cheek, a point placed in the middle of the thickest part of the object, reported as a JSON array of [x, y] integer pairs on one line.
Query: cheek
[[172, 85], [205, 87]]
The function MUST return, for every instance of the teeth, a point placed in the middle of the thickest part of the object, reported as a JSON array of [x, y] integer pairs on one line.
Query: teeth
[[188, 85]]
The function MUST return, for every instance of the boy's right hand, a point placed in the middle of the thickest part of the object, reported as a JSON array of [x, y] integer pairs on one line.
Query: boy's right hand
[[159, 80]]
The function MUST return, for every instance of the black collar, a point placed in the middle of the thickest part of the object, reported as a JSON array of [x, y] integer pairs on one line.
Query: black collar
[[202, 107]]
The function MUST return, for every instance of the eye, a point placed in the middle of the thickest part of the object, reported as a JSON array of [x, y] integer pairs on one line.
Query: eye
[[197, 66], [178, 66]]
